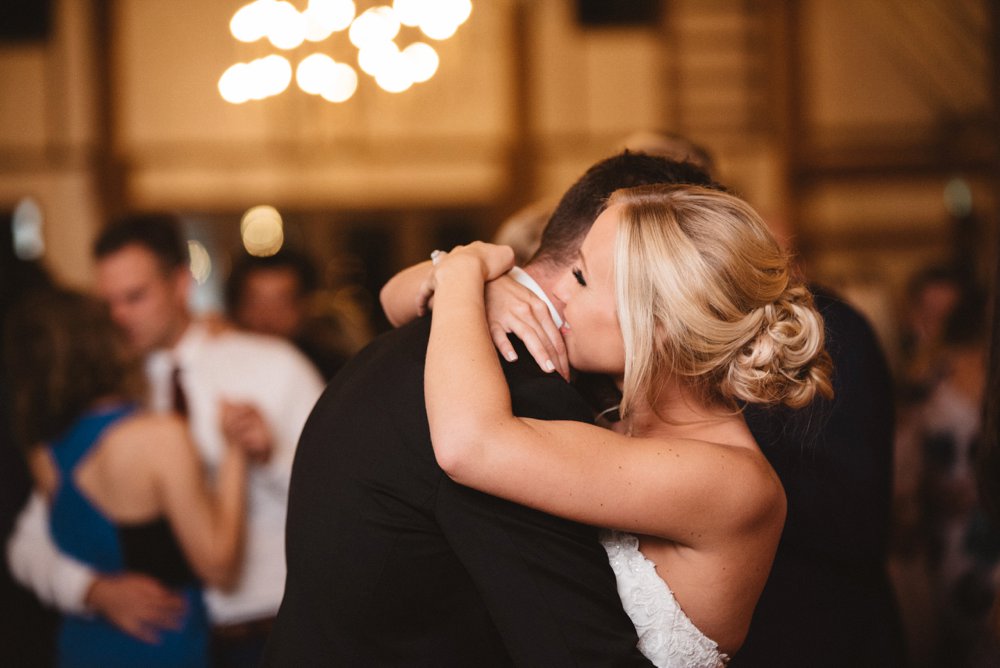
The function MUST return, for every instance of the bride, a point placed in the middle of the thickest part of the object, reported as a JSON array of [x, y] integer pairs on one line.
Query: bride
[[681, 295]]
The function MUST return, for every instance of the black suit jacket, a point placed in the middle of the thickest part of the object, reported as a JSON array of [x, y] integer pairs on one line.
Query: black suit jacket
[[828, 601], [391, 563]]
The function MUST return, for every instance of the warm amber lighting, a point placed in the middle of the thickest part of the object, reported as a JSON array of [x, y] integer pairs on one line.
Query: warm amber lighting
[[394, 79], [373, 32], [319, 74], [377, 57], [325, 17], [262, 231], [343, 83], [250, 22], [287, 26], [421, 61], [409, 12], [374, 26], [256, 80]]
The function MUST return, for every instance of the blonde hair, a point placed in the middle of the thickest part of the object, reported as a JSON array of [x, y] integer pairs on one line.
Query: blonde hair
[[706, 295]]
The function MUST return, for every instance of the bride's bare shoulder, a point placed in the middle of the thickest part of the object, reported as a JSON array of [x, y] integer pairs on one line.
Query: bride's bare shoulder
[[741, 490]]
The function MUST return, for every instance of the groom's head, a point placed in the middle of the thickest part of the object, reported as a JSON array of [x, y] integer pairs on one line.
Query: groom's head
[[585, 199]]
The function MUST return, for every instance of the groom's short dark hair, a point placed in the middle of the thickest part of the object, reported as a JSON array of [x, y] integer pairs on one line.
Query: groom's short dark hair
[[585, 199]]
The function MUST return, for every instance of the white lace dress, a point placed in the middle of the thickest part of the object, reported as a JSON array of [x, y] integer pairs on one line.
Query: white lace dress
[[666, 636]]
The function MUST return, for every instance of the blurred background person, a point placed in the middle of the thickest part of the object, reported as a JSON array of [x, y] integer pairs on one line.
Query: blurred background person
[[27, 629], [931, 296], [126, 490], [988, 457], [231, 387], [956, 541], [280, 295]]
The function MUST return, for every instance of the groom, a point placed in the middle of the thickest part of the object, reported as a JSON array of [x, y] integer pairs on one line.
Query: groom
[[391, 563]]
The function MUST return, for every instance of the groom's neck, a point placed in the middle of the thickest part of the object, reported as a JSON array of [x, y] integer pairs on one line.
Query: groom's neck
[[546, 275]]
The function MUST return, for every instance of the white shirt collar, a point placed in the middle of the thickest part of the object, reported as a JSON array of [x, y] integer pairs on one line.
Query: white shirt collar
[[525, 279]]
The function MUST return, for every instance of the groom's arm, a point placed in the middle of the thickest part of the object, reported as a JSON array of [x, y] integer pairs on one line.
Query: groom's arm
[[546, 581]]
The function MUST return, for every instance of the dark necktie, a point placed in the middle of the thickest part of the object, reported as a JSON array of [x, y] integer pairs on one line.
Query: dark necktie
[[180, 399]]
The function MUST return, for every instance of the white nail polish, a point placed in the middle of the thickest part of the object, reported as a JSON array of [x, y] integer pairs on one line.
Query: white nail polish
[[549, 366], [512, 356]]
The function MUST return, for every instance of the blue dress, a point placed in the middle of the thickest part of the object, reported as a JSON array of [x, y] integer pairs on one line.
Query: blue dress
[[83, 532]]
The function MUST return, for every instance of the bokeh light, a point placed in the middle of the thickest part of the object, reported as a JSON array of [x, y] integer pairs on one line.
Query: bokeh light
[[250, 22], [313, 72], [373, 32], [343, 83], [421, 61], [201, 261], [26, 228], [373, 26], [262, 231], [287, 28], [377, 57], [325, 17]]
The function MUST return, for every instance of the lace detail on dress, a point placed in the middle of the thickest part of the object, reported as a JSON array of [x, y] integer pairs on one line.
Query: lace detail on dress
[[666, 636]]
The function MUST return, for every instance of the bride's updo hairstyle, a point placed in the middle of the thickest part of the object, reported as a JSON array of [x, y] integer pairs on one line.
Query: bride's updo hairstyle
[[706, 295]]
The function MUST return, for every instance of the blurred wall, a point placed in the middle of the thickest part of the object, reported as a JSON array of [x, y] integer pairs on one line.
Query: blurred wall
[[842, 121]]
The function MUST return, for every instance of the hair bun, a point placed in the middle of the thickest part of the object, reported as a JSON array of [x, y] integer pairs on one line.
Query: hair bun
[[785, 363]]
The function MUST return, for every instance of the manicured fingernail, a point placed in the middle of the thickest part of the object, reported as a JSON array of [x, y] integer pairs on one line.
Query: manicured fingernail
[[549, 366], [512, 356]]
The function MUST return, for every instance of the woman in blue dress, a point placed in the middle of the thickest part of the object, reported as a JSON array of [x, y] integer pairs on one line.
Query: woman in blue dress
[[126, 488]]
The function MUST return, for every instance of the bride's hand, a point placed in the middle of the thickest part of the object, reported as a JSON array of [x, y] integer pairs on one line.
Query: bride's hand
[[512, 308], [492, 261]]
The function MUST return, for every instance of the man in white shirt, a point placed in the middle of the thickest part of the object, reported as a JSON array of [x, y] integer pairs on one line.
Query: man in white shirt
[[254, 390]]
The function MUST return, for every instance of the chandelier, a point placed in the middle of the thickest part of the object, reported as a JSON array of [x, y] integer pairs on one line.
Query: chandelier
[[373, 33]]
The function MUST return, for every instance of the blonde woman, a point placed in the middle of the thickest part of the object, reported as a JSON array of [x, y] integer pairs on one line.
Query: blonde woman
[[682, 296]]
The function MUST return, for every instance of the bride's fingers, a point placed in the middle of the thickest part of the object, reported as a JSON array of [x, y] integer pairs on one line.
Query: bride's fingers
[[534, 339], [500, 340], [553, 336]]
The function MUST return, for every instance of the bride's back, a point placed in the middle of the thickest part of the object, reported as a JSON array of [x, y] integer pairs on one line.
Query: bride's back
[[717, 564]]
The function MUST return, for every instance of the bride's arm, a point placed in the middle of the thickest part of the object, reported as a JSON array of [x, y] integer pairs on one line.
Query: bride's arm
[[404, 297], [668, 488]]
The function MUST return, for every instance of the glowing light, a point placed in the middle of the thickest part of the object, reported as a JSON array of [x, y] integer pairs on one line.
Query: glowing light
[[438, 27], [394, 78], [269, 76], [409, 12], [313, 72], [421, 61], [378, 24], [251, 21], [234, 85], [26, 227], [373, 32], [287, 27], [461, 10], [377, 57], [201, 261], [262, 231], [342, 85], [441, 19], [325, 17]]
